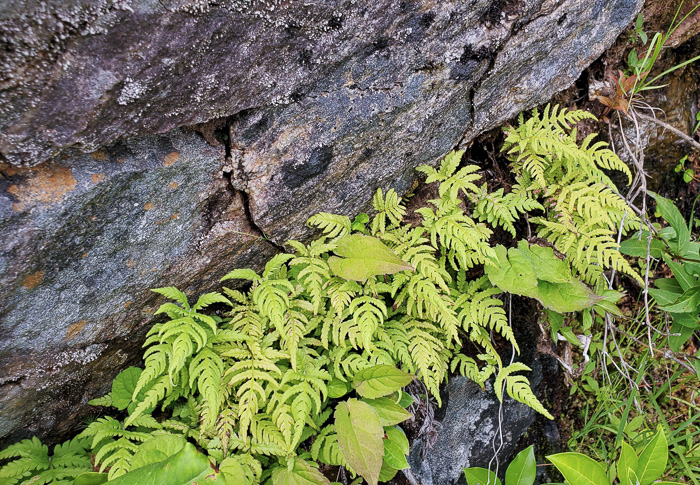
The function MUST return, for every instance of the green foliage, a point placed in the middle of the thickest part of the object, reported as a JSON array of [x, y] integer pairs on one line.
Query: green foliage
[[535, 272], [521, 471], [583, 211], [30, 462], [679, 295], [305, 364], [632, 468]]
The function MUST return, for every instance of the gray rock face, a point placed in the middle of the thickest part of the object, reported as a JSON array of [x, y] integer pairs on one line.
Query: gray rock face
[[465, 437], [468, 434], [323, 103]]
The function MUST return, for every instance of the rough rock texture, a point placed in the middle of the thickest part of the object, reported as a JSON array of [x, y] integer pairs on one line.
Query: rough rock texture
[[323, 103], [468, 433], [83, 241]]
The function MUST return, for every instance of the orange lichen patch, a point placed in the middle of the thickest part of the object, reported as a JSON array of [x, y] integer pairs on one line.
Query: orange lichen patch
[[84, 255], [171, 158], [173, 185], [128, 304], [97, 178], [7, 170], [73, 330], [148, 206], [47, 185], [99, 155], [130, 263], [33, 279], [174, 216]]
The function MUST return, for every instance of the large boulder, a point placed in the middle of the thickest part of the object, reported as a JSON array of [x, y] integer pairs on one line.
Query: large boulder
[[308, 106]]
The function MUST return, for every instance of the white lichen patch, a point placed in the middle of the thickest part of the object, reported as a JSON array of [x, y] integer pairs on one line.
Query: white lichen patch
[[131, 91]]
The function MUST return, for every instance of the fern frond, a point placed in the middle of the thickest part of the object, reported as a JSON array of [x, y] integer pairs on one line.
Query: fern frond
[[518, 387], [174, 294], [388, 207], [333, 225]]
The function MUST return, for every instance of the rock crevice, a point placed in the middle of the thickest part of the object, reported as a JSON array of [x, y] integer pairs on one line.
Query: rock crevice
[[319, 104]]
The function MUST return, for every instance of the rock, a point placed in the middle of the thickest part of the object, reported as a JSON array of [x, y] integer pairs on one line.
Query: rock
[[468, 433], [84, 240], [322, 102]]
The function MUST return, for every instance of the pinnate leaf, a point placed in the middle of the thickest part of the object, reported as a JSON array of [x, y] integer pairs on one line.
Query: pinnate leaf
[[301, 474]]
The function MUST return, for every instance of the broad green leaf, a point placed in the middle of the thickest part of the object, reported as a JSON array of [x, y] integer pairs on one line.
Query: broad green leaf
[[537, 273], [396, 448], [380, 380], [637, 247], [684, 279], [337, 388], [546, 265], [669, 284], [360, 438], [406, 399], [301, 474], [91, 478], [664, 297], [480, 476], [362, 257], [157, 449], [632, 478], [672, 215], [186, 467], [556, 321], [512, 272], [652, 459], [389, 411], [689, 302], [579, 469], [689, 320], [523, 468], [123, 387], [387, 473], [679, 335], [628, 461], [573, 296]]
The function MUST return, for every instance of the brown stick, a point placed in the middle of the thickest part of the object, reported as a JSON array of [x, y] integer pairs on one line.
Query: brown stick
[[678, 132]]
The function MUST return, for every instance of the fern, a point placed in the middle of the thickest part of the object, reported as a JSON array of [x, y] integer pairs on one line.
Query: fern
[[583, 210], [31, 462], [333, 226], [518, 387], [114, 445], [388, 208]]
